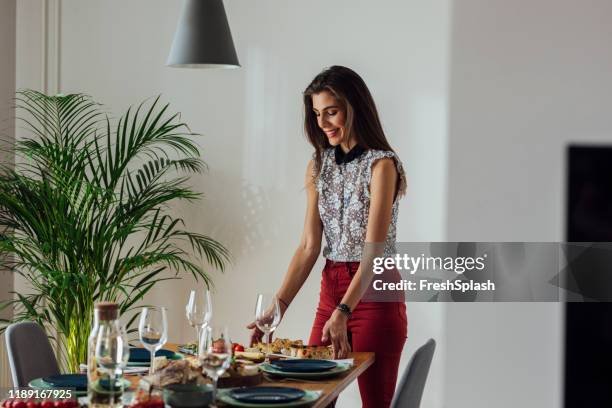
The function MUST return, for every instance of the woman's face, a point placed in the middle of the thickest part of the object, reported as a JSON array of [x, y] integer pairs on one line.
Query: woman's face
[[331, 116]]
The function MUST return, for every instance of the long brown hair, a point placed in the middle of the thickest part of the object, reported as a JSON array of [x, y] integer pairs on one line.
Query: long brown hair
[[362, 121]]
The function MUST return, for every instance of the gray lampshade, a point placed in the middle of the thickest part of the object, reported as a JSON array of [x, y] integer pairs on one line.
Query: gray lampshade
[[203, 38]]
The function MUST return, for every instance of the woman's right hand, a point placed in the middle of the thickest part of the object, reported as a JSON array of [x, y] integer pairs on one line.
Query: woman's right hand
[[257, 334]]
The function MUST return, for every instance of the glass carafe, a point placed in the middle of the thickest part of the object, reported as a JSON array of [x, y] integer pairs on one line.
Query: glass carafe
[[107, 355]]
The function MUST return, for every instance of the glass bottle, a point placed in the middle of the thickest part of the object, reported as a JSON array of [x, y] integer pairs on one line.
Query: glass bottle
[[107, 355]]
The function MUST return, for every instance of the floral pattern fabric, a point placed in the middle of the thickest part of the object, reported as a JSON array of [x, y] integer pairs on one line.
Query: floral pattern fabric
[[344, 204]]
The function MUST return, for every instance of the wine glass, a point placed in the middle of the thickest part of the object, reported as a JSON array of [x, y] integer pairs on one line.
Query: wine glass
[[153, 331], [112, 353], [199, 310], [267, 316], [215, 353]]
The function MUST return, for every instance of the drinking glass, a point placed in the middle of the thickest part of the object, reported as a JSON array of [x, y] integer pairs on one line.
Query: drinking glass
[[215, 353], [267, 316], [199, 310], [153, 331]]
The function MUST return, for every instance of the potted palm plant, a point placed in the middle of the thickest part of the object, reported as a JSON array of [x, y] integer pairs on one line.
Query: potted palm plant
[[84, 214]]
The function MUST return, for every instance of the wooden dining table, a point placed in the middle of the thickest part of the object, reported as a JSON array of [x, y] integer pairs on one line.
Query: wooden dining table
[[330, 387]]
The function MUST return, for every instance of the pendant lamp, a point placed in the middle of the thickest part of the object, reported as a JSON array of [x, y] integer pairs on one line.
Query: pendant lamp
[[203, 38]]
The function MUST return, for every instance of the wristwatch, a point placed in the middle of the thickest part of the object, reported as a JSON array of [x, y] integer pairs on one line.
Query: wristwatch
[[344, 308]]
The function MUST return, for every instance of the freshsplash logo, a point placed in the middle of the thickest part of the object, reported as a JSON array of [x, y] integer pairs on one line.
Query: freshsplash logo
[[412, 264]]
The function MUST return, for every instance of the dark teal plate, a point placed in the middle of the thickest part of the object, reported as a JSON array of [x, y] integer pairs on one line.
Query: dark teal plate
[[304, 366], [339, 369], [309, 398], [77, 381], [142, 355], [267, 395]]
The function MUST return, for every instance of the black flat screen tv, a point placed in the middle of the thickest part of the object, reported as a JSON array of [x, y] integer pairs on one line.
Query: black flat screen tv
[[588, 328]]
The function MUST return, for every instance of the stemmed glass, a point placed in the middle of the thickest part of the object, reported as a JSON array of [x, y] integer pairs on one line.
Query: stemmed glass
[[112, 353], [267, 316], [199, 310], [215, 353], [153, 331]]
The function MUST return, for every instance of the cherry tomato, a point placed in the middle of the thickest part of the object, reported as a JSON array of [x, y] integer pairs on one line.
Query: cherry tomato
[[18, 404], [47, 404], [7, 403], [33, 404], [59, 404], [238, 347]]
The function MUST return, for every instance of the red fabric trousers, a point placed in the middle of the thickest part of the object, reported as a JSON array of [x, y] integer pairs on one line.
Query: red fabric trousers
[[380, 327]]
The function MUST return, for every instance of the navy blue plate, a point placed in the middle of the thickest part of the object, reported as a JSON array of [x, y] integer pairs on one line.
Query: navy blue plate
[[78, 381], [142, 355], [267, 395], [303, 366]]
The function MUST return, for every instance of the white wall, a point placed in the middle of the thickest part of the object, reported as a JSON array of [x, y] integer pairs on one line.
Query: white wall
[[252, 122], [527, 77]]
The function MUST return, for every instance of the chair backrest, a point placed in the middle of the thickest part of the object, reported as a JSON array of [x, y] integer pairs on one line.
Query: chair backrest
[[410, 389], [29, 352]]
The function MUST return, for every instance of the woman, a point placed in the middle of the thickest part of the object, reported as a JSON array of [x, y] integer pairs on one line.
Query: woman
[[353, 184]]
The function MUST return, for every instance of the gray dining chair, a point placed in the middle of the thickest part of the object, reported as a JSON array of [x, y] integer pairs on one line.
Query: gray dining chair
[[29, 353], [412, 384]]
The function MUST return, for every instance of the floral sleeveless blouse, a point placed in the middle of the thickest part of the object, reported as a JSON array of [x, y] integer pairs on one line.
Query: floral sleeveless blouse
[[344, 201]]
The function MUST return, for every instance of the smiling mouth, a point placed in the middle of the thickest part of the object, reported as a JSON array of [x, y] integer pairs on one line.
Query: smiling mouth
[[331, 133]]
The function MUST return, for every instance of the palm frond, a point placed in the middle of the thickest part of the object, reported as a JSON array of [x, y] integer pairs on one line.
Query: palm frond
[[83, 216]]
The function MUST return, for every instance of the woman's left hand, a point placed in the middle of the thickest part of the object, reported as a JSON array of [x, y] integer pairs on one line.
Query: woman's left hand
[[336, 331]]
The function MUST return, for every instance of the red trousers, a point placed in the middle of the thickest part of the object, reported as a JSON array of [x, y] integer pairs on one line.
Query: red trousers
[[380, 327]]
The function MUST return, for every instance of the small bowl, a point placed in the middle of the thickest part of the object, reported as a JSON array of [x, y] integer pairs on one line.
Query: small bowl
[[188, 395]]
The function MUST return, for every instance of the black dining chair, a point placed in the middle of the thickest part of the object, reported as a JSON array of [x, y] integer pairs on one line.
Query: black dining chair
[[29, 352], [412, 384]]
